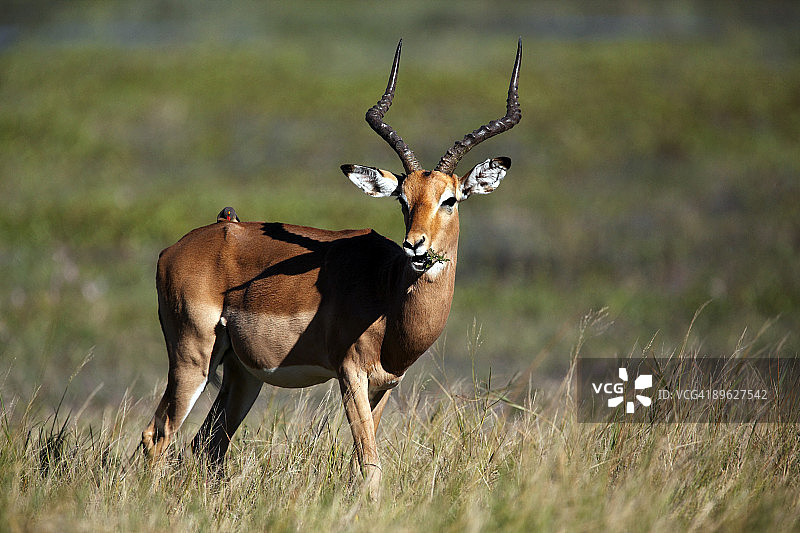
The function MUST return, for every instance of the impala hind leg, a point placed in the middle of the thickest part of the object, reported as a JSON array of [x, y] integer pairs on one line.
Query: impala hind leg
[[237, 394], [194, 352], [184, 386]]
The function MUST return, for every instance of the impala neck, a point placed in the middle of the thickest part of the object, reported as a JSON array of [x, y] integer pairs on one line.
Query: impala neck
[[423, 307]]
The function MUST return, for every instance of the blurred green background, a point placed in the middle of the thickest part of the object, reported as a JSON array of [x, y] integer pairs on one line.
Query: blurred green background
[[656, 168]]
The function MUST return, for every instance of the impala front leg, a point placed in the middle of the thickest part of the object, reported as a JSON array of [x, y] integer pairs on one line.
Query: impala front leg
[[377, 402], [355, 396]]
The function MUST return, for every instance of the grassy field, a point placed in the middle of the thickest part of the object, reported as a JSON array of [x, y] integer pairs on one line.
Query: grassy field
[[655, 170], [457, 456]]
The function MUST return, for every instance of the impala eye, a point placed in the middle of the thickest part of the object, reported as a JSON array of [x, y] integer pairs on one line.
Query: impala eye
[[449, 203]]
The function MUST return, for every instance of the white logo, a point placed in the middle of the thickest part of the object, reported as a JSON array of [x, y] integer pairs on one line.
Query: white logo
[[644, 381]]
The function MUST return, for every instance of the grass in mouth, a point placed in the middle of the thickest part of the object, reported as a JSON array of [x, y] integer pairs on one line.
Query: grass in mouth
[[434, 257]]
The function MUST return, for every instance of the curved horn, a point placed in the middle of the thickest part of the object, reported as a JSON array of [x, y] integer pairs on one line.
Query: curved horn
[[375, 120], [450, 159]]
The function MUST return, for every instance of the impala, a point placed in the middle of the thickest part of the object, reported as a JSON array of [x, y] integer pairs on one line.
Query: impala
[[295, 306]]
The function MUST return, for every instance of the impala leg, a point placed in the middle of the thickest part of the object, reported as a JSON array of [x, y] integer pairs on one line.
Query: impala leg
[[190, 347], [237, 394], [185, 383], [378, 401], [355, 397]]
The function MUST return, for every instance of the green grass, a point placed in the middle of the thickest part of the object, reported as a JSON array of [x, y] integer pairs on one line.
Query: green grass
[[652, 173], [628, 194]]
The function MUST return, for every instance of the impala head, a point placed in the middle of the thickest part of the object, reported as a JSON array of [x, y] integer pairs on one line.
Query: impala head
[[429, 200]]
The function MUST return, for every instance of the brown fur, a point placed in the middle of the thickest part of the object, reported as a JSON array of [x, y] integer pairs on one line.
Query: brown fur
[[295, 306], [266, 295]]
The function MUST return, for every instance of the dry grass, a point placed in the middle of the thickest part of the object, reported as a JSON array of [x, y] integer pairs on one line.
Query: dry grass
[[456, 456]]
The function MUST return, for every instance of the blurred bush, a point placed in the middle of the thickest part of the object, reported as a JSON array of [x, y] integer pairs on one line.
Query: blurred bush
[[655, 169]]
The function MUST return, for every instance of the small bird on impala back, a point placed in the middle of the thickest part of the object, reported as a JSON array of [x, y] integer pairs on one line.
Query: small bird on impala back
[[227, 215]]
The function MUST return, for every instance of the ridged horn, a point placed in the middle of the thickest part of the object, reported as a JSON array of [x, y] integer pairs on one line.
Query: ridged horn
[[450, 159], [375, 114]]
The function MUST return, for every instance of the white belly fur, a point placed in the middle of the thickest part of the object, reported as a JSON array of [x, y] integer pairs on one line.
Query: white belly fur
[[295, 376]]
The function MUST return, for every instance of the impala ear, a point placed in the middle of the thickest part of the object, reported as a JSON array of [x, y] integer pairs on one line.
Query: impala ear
[[373, 181], [484, 177]]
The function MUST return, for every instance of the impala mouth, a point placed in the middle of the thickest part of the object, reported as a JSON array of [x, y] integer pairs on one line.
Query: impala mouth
[[420, 263], [423, 262]]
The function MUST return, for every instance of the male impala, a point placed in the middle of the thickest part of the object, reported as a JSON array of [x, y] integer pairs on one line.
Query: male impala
[[294, 306]]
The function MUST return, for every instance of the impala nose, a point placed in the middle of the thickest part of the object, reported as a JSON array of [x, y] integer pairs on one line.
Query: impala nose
[[418, 248]]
